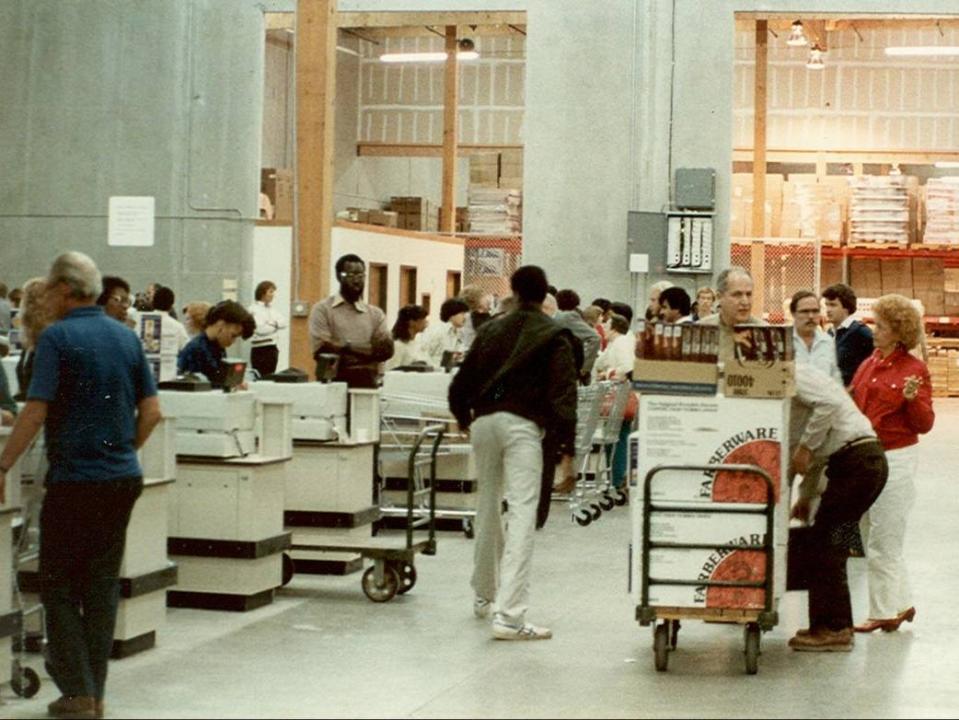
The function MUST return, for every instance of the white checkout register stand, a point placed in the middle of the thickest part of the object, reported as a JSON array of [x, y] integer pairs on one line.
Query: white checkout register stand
[[329, 481], [226, 519]]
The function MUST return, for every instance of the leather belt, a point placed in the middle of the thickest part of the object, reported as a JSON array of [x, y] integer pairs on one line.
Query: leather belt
[[857, 442]]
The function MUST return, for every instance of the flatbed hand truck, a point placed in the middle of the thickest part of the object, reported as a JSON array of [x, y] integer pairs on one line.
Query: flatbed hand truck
[[754, 620], [393, 571]]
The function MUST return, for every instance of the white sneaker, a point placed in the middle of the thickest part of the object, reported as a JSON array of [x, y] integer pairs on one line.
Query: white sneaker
[[482, 607], [526, 631]]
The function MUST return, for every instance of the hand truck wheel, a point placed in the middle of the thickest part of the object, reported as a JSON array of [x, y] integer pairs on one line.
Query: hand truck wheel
[[25, 682], [381, 593], [752, 648], [406, 572], [661, 646]]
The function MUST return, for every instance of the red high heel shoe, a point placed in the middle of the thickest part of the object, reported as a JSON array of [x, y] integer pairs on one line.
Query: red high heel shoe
[[873, 625]]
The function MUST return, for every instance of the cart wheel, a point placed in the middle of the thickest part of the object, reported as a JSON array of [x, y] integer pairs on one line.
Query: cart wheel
[[582, 518], [597, 510], [468, 529], [25, 682], [661, 646], [621, 498], [407, 575], [288, 569], [674, 634], [385, 593], [607, 503], [752, 648]]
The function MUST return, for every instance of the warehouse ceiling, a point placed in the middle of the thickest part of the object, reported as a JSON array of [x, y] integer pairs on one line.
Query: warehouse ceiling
[[375, 27]]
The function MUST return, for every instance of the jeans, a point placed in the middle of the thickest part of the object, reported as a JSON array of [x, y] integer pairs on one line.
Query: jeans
[[856, 478], [509, 463], [620, 458], [263, 358], [82, 536]]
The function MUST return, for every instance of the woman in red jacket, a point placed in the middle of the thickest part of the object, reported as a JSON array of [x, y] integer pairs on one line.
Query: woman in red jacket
[[892, 388]]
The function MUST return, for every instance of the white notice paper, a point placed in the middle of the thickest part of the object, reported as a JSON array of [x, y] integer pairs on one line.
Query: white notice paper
[[131, 221]]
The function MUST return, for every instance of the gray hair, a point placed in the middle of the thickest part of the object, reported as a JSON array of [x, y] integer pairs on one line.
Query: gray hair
[[80, 274], [722, 282], [660, 286]]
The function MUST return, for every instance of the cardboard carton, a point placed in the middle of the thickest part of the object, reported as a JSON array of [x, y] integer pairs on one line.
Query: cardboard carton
[[277, 183], [671, 377]]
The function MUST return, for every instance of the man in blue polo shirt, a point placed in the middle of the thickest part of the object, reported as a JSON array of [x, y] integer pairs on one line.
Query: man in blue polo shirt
[[93, 391]]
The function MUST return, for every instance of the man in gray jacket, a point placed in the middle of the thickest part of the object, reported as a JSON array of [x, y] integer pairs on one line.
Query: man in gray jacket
[[570, 318]]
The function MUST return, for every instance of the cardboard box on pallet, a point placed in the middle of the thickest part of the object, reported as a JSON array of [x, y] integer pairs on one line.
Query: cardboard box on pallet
[[865, 277], [386, 218], [928, 281], [896, 274], [277, 183]]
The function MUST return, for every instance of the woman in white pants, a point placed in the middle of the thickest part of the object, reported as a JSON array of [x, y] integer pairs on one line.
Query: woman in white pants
[[892, 388]]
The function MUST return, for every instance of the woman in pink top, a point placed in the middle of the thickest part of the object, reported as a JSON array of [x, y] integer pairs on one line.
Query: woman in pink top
[[892, 388]]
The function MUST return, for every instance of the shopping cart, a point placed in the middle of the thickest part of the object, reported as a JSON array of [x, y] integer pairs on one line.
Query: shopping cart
[[402, 417], [754, 620], [605, 444], [393, 571], [24, 681], [583, 506]]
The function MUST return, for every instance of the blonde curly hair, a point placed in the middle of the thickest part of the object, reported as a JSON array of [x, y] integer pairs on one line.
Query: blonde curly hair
[[34, 316], [898, 312]]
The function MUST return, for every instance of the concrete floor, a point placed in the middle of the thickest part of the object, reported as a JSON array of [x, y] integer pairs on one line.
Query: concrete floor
[[323, 650]]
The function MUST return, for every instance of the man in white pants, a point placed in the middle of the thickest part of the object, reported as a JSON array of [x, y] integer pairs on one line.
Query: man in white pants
[[517, 382]]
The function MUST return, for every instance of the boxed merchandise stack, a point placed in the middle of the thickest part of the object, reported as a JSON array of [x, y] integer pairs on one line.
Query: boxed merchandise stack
[[815, 208], [676, 359], [942, 212], [879, 211], [928, 282], [762, 364], [414, 213], [383, 218], [741, 207], [484, 169], [938, 364], [159, 344], [495, 211], [461, 223]]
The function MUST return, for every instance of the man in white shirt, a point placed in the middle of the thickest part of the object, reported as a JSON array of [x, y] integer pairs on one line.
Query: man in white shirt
[[265, 353], [812, 344], [827, 429]]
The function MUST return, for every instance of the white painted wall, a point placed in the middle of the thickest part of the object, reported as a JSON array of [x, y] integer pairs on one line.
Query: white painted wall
[[432, 258], [272, 259]]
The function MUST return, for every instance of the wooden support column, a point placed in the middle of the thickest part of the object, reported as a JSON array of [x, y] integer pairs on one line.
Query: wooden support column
[[758, 254], [450, 130], [315, 81]]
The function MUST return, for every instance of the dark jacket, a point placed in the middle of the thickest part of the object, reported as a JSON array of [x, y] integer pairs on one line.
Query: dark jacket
[[853, 345], [522, 363]]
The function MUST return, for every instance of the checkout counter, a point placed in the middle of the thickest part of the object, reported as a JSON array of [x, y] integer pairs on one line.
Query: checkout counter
[[329, 481], [226, 518]]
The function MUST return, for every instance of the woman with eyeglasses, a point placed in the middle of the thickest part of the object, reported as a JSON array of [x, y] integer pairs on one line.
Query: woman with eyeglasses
[[115, 298]]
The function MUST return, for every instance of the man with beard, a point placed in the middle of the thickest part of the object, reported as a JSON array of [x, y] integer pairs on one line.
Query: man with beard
[[344, 325]]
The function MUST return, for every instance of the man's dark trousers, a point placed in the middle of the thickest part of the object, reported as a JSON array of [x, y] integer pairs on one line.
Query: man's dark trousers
[[856, 477], [82, 536]]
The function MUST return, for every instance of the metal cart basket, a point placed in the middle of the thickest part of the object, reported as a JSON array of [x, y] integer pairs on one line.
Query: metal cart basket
[[393, 571], [754, 620]]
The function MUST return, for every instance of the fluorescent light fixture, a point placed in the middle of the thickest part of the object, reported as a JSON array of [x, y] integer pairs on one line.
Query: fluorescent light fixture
[[923, 51], [425, 57], [945, 164], [797, 38], [815, 61]]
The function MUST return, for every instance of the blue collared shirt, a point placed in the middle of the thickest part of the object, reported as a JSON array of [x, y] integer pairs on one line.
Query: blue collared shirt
[[92, 373], [202, 355]]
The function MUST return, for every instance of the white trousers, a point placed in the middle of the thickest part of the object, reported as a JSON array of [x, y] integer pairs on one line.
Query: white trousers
[[884, 532], [509, 463]]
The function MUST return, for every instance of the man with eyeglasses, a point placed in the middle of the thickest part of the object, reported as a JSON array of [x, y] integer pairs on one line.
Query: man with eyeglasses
[[812, 344], [344, 325], [115, 298]]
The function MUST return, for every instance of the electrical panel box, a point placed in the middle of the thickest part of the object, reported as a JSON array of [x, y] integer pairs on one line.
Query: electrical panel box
[[695, 189], [689, 242]]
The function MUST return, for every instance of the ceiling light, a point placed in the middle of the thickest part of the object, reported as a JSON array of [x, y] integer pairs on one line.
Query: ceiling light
[[797, 38], [815, 61], [425, 57], [947, 164], [923, 50]]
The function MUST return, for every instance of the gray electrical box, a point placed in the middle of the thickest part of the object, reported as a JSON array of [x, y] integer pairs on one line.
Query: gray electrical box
[[646, 234], [695, 189]]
